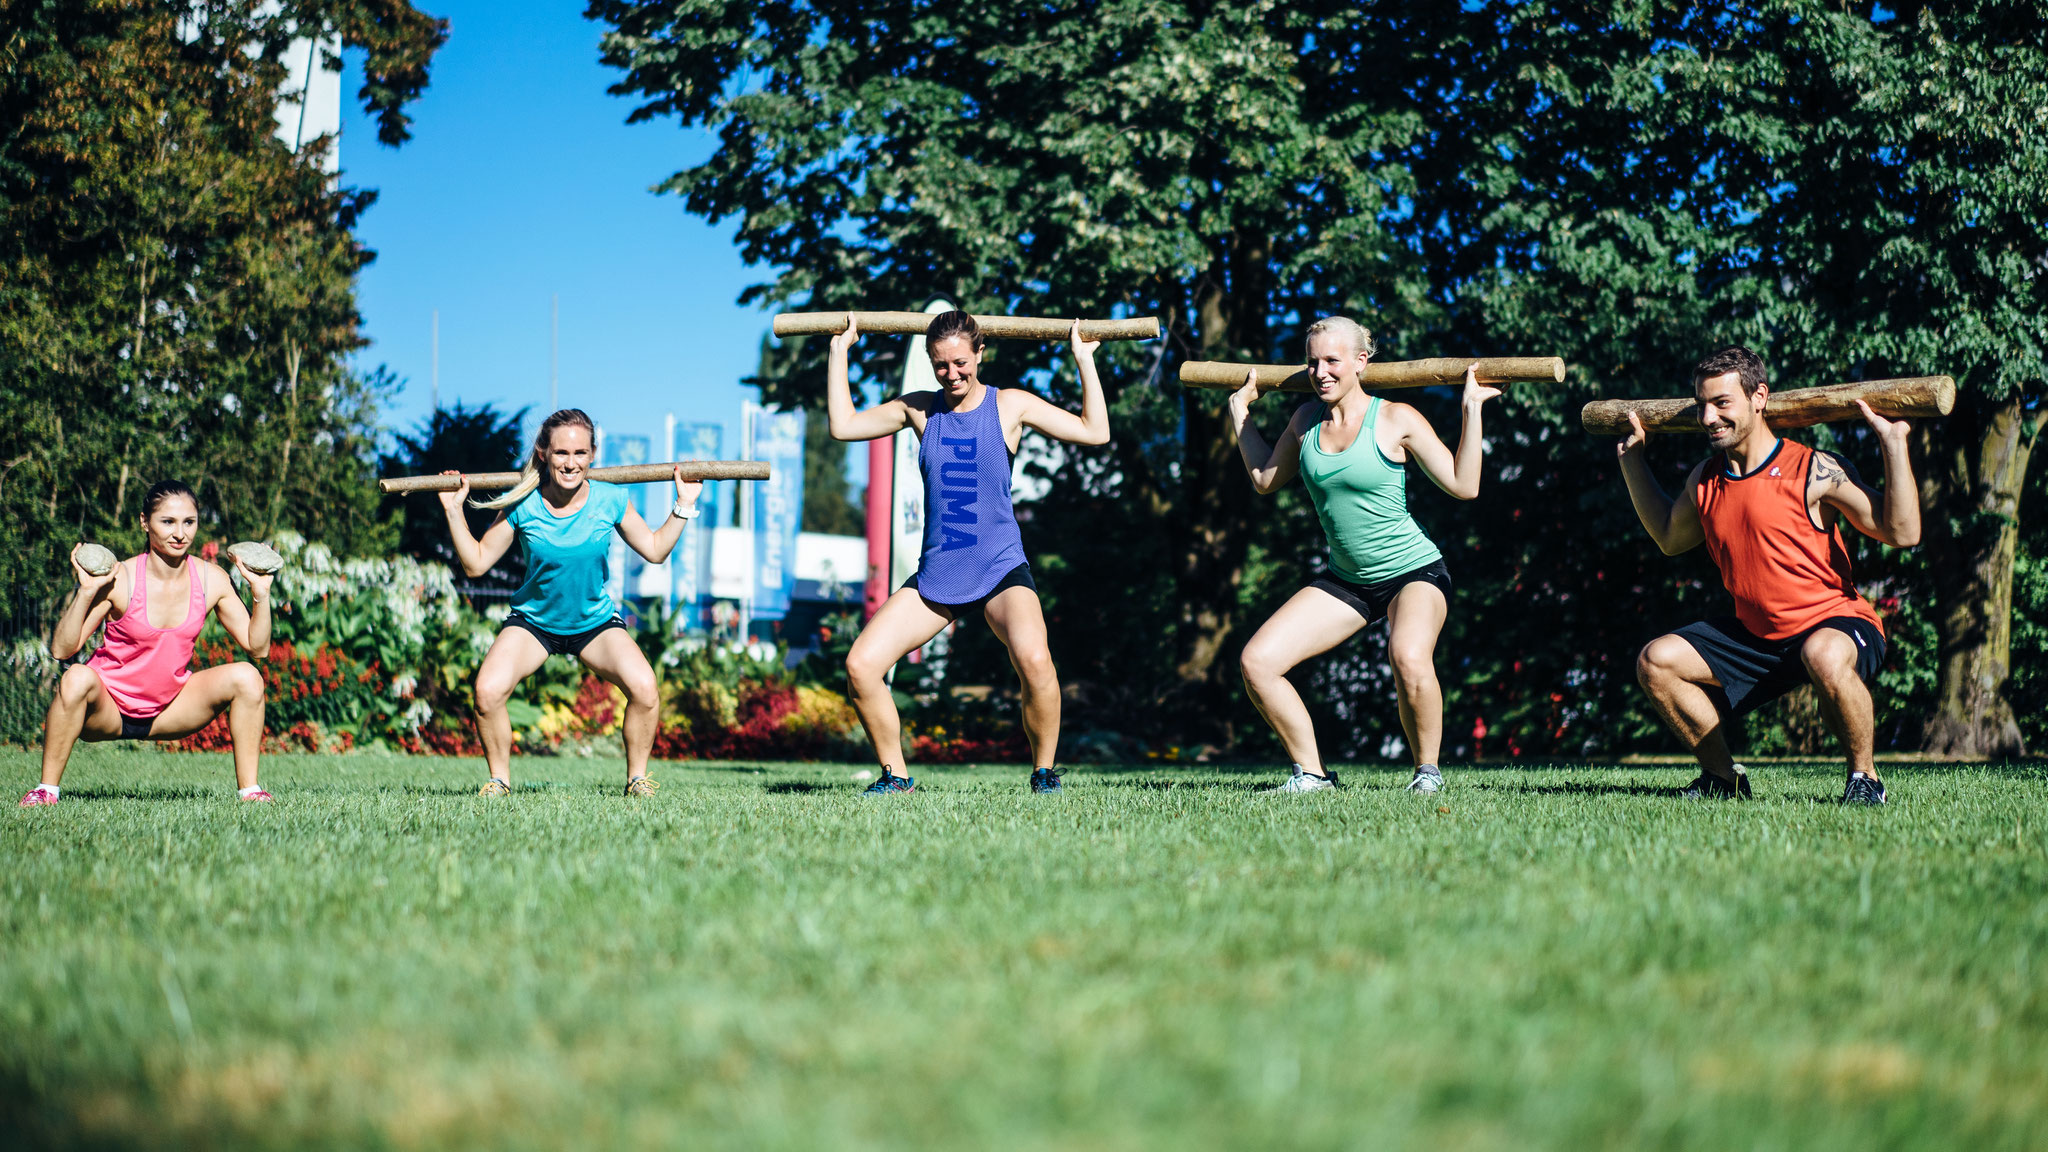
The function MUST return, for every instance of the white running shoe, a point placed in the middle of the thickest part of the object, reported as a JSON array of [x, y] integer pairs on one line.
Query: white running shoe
[[1428, 781], [1303, 781]]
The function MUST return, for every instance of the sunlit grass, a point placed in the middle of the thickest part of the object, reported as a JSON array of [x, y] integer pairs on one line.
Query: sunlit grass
[[758, 957]]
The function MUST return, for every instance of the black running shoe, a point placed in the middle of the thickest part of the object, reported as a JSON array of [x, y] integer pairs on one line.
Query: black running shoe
[[1865, 790], [1712, 787], [890, 783], [1046, 780]]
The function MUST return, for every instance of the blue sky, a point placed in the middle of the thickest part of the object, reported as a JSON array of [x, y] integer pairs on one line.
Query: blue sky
[[522, 181]]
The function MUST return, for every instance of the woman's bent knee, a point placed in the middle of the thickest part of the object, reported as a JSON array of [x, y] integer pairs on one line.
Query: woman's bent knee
[[246, 681], [77, 685]]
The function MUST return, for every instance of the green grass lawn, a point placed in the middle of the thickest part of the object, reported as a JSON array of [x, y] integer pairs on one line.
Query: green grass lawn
[[759, 958]]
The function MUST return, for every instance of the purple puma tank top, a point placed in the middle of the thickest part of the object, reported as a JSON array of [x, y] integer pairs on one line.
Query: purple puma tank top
[[970, 530]]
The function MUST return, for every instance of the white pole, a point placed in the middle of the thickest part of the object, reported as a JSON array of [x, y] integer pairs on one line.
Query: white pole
[[748, 410]]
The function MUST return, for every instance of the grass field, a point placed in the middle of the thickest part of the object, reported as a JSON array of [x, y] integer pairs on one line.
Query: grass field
[[759, 958]]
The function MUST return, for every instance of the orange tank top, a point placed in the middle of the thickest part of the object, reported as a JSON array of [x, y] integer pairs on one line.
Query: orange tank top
[[1785, 574]]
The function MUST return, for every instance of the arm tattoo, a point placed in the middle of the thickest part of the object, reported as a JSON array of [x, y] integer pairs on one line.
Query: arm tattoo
[[1830, 470]]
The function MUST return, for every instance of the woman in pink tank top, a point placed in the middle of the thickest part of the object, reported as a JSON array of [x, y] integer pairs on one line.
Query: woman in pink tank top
[[140, 684]]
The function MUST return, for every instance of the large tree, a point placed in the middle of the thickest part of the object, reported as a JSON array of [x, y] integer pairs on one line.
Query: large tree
[[1854, 190], [176, 284], [1216, 164]]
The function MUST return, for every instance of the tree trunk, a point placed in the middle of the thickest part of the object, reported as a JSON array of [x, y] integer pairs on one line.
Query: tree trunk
[[1975, 469], [1216, 498]]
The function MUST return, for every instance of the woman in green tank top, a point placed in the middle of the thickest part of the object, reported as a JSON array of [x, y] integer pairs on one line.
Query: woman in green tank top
[[1350, 449]]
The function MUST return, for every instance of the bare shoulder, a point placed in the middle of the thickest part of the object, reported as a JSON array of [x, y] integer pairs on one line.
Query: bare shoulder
[[216, 577], [1307, 416], [1403, 415]]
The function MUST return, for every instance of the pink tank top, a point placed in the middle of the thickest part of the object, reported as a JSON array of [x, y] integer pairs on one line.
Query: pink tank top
[[141, 666]]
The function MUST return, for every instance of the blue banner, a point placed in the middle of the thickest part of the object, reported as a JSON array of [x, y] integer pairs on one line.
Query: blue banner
[[690, 564], [626, 565], [778, 438]]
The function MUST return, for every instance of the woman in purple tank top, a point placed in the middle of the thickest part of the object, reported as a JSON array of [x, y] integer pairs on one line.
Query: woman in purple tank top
[[973, 559]]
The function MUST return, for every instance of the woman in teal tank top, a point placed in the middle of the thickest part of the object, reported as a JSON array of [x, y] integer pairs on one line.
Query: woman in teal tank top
[[1351, 449], [564, 523]]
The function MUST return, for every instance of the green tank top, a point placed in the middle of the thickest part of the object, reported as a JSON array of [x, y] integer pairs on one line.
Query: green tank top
[[1362, 499]]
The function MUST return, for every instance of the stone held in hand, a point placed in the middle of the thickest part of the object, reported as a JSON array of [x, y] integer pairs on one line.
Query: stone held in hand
[[95, 559], [261, 559]]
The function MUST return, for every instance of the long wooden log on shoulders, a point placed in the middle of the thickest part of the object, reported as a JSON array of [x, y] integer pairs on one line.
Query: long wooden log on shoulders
[[1440, 370], [993, 327], [1911, 397], [622, 474]]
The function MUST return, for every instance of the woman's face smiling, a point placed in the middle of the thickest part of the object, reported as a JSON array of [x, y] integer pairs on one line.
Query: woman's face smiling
[[172, 526], [568, 456], [956, 364], [1334, 365]]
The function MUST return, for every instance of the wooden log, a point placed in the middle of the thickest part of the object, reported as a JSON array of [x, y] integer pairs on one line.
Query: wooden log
[[1393, 374], [993, 327], [623, 474], [1916, 397]]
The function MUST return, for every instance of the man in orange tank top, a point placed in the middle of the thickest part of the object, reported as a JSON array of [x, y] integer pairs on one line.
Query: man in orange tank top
[[1769, 512]]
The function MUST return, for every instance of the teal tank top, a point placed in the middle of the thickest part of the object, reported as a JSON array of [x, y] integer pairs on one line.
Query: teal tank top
[[1362, 499], [568, 560]]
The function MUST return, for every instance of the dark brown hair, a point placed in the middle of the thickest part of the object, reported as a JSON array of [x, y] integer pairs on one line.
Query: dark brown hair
[[529, 476], [163, 490], [955, 323], [1734, 358]]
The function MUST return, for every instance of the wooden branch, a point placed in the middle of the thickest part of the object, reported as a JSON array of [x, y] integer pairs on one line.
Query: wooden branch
[[1393, 374], [1917, 397], [623, 474], [993, 327]]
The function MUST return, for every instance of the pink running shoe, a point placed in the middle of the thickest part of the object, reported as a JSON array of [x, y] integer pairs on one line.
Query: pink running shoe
[[259, 796], [36, 798]]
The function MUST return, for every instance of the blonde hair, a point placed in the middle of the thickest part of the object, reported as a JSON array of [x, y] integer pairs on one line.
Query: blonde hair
[[529, 476], [1343, 326]]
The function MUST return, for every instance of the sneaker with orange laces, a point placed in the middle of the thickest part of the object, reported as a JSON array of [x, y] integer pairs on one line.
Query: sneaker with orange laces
[[642, 786], [37, 797], [494, 787]]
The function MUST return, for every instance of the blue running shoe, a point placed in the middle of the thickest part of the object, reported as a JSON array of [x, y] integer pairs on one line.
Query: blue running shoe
[[888, 783], [1046, 780]]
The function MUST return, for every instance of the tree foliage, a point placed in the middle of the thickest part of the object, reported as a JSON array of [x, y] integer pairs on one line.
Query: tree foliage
[[479, 439], [176, 285], [1852, 189]]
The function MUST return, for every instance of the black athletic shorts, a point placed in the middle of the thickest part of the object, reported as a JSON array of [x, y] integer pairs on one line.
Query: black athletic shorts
[[136, 727], [1371, 600], [1754, 671], [1018, 577], [556, 643]]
